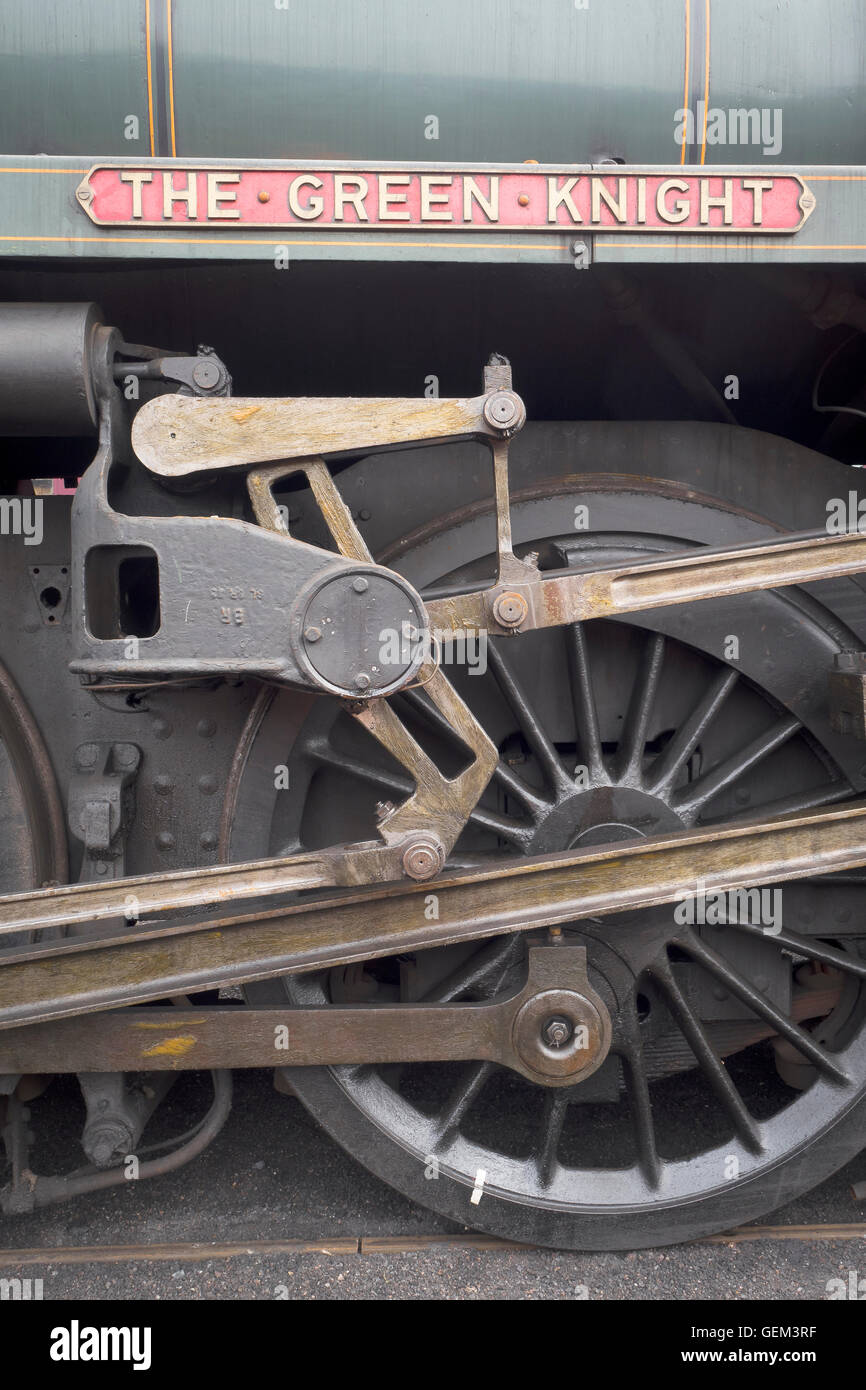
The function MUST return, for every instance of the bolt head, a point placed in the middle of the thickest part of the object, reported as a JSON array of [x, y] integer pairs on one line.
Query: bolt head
[[423, 858], [510, 609], [205, 374], [312, 634], [362, 681], [501, 410], [360, 584]]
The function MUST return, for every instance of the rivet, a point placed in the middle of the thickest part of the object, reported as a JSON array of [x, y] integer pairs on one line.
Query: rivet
[[205, 728], [207, 784], [208, 840], [523, 200], [264, 195], [163, 785], [165, 840], [161, 728]]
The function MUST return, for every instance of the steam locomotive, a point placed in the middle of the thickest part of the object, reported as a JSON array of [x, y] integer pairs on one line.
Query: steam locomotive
[[433, 647]]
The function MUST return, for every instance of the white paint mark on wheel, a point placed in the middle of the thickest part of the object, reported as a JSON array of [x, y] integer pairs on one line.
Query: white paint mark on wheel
[[480, 1179]]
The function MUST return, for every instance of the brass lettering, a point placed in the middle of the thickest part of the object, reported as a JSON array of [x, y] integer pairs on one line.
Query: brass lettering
[[217, 195], [343, 195], [725, 201], [313, 207], [641, 200], [428, 197], [172, 195], [557, 196], [136, 177], [681, 205], [758, 187], [602, 194], [472, 194], [387, 195]]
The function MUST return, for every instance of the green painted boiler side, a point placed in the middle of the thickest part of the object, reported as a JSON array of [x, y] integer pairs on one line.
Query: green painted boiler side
[[508, 80]]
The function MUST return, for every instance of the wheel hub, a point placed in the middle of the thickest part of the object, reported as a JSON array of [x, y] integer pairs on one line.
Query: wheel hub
[[602, 816], [560, 1033]]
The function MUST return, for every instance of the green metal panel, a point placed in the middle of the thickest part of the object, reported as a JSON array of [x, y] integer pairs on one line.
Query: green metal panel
[[561, 81], [537, 79], [70, 75], [805, 57]]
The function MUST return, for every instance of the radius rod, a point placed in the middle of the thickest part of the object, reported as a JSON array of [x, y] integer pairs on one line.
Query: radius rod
[[114, 965]]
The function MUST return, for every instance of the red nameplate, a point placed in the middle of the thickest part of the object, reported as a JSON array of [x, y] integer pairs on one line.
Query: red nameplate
[[744, 204]]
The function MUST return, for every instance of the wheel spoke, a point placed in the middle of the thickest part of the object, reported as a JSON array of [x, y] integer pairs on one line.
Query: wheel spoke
[[806, 946], [518, 833], [534, 803], [711, 1065], [801, 801], [734, 982], [668, 764], [552, 1120], [502, 772], [419, 702], [689, 802], [374, 776], [531, 726], [485, 970], [640, 1104], [460, 1102], [630, 755], [583, 698]]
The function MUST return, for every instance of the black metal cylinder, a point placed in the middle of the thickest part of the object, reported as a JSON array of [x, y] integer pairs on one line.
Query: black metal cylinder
[[46, 381]]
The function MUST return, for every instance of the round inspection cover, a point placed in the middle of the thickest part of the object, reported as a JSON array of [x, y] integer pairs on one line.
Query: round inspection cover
[[363, 632]]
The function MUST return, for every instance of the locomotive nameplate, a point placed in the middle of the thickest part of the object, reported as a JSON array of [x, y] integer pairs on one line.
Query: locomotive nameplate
[[533, 199]]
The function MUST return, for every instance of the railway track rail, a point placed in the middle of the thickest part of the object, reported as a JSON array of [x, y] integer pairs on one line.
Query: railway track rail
[[181, 1252]]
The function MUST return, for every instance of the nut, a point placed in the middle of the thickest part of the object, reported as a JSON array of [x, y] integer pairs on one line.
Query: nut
[[556, 1032]]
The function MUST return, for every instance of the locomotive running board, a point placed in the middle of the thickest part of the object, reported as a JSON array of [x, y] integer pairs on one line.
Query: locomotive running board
[[94, 972]]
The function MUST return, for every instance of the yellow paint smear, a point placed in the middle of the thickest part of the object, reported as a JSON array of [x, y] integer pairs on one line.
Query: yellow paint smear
[[243, 415], [171, 1047]]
